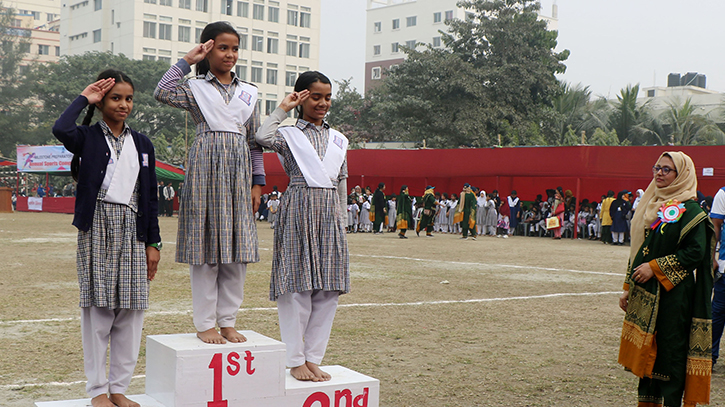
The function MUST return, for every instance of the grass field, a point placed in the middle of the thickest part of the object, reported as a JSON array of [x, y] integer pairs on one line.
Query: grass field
[[441, 322]]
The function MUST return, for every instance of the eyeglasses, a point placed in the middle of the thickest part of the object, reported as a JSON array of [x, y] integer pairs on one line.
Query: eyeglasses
[[665, 170]]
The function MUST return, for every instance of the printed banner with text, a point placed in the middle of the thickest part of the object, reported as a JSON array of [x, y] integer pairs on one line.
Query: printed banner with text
[[43, 159]]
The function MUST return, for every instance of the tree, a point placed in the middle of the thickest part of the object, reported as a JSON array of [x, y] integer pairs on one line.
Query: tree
[[56, 85], [631, 121], [347, 113], [15, 106], [572, 105], [496, 76], [682, 126]]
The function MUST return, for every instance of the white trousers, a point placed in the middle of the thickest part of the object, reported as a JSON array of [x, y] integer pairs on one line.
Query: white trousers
[[305, 322], [618, 237], [217, 291], [123, 327]]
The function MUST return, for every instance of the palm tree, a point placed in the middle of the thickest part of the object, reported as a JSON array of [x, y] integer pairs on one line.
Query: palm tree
[[572, 106], [628, 118], [683, 126]]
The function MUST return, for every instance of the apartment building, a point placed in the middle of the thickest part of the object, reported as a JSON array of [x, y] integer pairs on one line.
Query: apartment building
[[279, 39], [38, 21], [392, 23]]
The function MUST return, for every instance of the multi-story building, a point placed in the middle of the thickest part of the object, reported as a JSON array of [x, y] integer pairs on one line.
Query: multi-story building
[[38, 22], [279, 39], [392, 23]]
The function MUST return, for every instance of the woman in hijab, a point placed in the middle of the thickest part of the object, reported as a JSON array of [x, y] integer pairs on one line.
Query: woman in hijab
[[666, 337], [619, 211]]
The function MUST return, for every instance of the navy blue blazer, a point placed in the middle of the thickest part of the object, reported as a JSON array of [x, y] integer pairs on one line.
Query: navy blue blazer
[[89, 143]]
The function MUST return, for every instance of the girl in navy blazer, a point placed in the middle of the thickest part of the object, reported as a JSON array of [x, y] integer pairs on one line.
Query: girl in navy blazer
[[116, 213]]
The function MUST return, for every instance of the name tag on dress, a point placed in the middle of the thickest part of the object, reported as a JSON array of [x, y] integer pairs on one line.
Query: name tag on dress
[[245, 97], [145, 160], [338, 141]]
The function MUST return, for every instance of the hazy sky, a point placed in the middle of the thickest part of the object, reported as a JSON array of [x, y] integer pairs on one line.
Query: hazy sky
[[613, 43]]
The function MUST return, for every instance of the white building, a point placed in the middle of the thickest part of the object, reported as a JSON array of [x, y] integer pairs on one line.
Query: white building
[[705, 101], [392, 23], [279, 39], [39, 21]]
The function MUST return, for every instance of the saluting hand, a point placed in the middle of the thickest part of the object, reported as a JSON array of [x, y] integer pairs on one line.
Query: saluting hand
[[294, 99], [95, 91], [199, 52]]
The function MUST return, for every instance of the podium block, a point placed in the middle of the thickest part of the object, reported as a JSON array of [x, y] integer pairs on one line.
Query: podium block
[[182, 371]]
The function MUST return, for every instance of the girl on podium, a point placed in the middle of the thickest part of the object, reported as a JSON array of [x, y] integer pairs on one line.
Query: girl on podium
[[217, 233], [311, 266], [116, 213]]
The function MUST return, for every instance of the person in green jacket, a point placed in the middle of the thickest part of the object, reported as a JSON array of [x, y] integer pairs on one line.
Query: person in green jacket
[[404, 217], [426, 220], [467, 206]]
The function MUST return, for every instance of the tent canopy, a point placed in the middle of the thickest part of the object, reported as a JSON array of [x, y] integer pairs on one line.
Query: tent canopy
[[168, 172]]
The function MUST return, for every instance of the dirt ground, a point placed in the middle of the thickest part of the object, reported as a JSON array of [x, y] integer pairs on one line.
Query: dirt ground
[[440, 322]]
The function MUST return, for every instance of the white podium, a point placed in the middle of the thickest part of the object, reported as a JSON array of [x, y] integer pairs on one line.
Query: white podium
[[182, 371]]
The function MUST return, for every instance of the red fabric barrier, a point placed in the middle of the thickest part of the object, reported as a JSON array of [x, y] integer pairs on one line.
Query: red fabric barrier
[[55, 205], [528, 170]]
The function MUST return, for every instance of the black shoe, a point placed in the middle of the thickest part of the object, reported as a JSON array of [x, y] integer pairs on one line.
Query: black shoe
[[402, 236]]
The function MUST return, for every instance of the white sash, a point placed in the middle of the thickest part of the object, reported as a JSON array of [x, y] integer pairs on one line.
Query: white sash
[[219, 115], [121, 172], [318, 173]]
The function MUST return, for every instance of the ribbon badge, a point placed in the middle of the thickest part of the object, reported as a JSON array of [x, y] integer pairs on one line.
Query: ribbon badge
[[670, 212]]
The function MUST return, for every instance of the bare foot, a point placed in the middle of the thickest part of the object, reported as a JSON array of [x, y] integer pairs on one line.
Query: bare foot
[[303, 373], [232, 335], [101, 401], [211, 336], [121, 401], [319, 374]]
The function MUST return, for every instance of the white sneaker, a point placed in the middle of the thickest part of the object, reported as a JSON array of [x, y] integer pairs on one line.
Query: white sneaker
[[505, 236], [498, 235]]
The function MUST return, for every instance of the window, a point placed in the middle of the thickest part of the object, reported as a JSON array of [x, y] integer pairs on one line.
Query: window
[[305, 19], [410, 44], [292, 17], [396, 24], [304, 50], [96, 36], [97, 5], [437, 17], [227, 7], [52, 17], [257, 74], [165, 2], [376, 49], [184, 34], [449, 15], [271, 77], [149, 29], [411, 21], [242, 9], [291, 48], [57, 51], [272, 45], [242, 41], [257, 43], [43, 49], [150, 1], [377, 27], [165, 31], [258, 12], [165, 59], [36, 14], [241, 72], [436, 41], [270, 105], [395, 47], [273, 14], [375, 74], [149, 57], [290, 78], [185, 4], [203, 6]]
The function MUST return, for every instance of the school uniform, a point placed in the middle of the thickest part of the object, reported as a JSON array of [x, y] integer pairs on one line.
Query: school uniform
[[116, 212], [310, 267], [392, 213], [217, 234]]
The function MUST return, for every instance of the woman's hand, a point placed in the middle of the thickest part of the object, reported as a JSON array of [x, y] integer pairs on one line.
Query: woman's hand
[[97, 90], [199, 52], [624, 301], [153, 255], [642, 273], [293, 100]]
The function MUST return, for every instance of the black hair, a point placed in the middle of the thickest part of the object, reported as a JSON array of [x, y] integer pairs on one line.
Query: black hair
[[305, 80], [120, 77], [381, 185], [403, 188], [210, 32]]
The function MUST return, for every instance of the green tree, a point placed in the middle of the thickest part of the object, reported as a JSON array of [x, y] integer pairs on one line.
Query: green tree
[[495, 76], [347, 113], [632, 121], [681, 126], [572, 106]]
